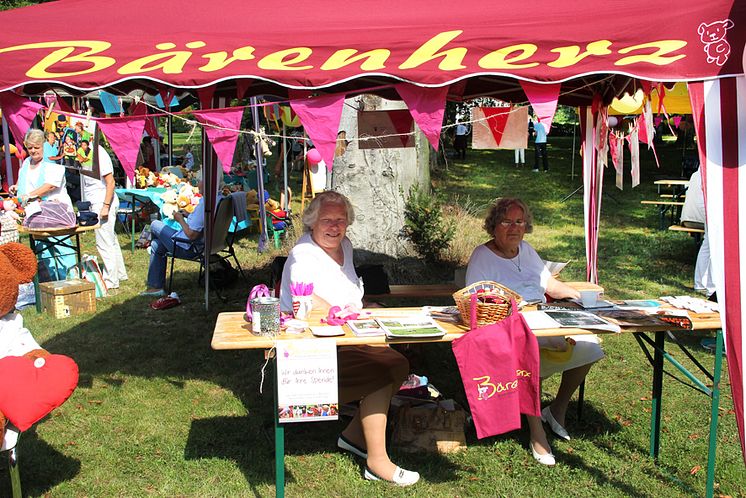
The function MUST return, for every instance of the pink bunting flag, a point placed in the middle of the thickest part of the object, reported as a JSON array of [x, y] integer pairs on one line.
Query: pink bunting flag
[[676, 121], [19, 112], [205, 96], [427, 106], [221, 128], [242, 86], [543, 99], [124, 135], [320, 118]]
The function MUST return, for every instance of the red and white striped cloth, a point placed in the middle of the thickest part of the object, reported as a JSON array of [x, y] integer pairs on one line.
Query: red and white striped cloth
[[593, 178], [719, 108]]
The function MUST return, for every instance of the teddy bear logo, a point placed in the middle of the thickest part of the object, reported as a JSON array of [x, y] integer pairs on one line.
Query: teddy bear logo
[[716, 46]]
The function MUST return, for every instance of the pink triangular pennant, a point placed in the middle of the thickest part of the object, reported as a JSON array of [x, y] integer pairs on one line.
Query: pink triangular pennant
[[543, 99], [497, 118], [19, 112], [427, 106], [222, 131], [242, 86], [124, 136], [677, 119], [402, 122], [167, 95], [205, 96], [320, 118], [150, 127]]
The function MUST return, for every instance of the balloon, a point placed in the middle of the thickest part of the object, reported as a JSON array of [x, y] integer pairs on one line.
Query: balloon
[[313, 156], [612, 121]]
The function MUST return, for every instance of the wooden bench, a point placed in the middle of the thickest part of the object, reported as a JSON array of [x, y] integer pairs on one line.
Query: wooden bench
[[694, 232], [673, 207], [423, 291]]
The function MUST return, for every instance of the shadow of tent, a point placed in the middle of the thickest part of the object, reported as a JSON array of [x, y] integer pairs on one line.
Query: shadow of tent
[[41, 466]]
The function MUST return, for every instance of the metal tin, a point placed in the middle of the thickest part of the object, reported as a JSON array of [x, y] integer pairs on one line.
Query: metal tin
[[268, 309]]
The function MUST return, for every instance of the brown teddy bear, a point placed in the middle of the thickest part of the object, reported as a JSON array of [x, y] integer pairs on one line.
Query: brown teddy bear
[[17, 266]]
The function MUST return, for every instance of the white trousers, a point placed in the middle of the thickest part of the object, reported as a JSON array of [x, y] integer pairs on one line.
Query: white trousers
[[703, 269], [108, 248], [520, 154]]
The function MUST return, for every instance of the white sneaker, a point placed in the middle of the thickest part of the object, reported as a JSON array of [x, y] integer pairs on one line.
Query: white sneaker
[[401, 477]]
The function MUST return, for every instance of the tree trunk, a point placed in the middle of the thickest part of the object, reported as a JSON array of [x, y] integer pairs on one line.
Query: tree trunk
[[377, 182]]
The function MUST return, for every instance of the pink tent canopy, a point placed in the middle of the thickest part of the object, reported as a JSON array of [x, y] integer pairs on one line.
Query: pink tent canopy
[[596, 50]]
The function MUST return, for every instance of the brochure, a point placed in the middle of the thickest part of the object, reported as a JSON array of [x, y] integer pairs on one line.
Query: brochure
[[365, 328], [552, 319], [416, 326], [555, 267], [448, 314], [630, 318]]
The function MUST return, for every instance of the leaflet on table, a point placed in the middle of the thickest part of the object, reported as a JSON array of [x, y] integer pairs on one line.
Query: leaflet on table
[[414, 326], [555, 267], [365, 328], [448, 314], [554, 319], [630, 317]]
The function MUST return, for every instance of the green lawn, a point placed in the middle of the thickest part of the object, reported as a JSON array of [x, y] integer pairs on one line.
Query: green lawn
[[158, 413]]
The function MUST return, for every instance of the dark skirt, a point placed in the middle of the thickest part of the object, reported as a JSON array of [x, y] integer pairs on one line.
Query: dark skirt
[[366, 369]]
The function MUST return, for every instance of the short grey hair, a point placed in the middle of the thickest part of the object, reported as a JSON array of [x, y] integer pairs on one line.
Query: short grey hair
[[34, 136], [500, 208], [311, 215]]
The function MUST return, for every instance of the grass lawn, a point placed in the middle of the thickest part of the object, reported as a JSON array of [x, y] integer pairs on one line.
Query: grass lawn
[[159, 413]]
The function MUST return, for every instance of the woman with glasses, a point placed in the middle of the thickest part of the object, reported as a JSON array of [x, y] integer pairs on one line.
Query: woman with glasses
[[368, 374], [512, 262]]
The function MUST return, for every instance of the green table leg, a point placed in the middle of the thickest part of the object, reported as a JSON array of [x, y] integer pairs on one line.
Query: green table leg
[[132, 222], [279, 442], [655, 414], [714, 409]]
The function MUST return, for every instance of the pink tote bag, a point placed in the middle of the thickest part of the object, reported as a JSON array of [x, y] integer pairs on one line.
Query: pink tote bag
[[499, 366]]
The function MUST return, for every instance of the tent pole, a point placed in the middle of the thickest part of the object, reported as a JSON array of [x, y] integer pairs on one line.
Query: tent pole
[[286, 197], [572, 170], [259, 179], [6, 146], [170, 134]]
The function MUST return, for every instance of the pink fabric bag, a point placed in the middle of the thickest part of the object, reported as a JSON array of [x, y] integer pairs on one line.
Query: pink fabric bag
[[499, 366]]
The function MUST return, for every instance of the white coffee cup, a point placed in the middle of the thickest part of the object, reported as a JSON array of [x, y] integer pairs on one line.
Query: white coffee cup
[[589, 298]]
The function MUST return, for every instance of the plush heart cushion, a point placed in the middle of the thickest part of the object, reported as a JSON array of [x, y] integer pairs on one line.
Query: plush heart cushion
[[29, 392]]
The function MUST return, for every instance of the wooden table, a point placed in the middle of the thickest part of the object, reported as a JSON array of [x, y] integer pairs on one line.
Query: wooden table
[[54, 237], [232, 332]]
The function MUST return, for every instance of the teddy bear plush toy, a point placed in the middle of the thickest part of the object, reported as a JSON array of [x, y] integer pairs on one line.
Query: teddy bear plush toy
[[32, 382], [170, 203]]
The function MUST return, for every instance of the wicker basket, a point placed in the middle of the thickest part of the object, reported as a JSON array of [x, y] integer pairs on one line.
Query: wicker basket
[[487, 313]]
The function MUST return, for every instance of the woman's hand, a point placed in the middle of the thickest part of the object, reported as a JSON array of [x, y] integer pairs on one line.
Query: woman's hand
[[13, 189]]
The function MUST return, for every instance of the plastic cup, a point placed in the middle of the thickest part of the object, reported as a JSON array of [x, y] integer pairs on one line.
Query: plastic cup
[[589, 298], [302, 306]]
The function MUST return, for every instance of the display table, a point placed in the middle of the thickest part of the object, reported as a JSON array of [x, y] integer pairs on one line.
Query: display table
[[232, 332], [60, 237]]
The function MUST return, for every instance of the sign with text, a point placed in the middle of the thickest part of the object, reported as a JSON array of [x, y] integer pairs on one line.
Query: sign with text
[[307, 381]]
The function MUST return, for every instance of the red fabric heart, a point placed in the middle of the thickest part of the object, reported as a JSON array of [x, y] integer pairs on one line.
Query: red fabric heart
[[28, 393]]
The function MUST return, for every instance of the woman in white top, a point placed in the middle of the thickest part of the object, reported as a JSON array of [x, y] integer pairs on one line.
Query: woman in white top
[[39, 178], [512, 262], [369, 374]]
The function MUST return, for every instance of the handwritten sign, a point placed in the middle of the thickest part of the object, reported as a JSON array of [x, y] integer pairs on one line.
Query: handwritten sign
[[307, 380]]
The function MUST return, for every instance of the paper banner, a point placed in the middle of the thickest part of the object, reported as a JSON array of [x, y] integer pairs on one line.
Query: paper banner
[[499, 127], [224, 137], [427, 106], [643, 134], [616, 147], [320, 118], [543, 99], [634, 156], [19, 112], [124, 136]]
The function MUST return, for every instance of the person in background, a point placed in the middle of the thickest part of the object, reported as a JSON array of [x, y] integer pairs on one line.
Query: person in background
[[368, 374], [100, 193], [52, 149], [693, 216], [540, 146], [188, 162], [38, 178], [162, 242], [462, 132], [507, 259]]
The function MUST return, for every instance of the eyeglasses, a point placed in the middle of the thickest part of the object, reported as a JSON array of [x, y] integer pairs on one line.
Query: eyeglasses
[[508, 223], [326, 222]]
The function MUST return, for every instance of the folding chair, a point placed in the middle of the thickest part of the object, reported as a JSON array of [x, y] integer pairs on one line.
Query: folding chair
[[222, 244]]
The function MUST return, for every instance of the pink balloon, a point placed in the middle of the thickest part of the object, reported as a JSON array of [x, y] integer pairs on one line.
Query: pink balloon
[[313, 156]]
